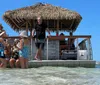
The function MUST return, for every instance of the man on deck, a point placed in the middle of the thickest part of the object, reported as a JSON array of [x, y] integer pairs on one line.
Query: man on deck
[[40, 29]]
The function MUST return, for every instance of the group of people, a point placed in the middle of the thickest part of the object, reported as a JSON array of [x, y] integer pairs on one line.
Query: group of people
[[17, 54]]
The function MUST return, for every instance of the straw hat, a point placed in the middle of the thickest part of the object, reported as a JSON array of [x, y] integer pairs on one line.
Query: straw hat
[[23, 34]]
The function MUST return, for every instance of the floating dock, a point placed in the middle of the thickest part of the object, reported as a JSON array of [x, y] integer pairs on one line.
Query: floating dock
[[65, 63]]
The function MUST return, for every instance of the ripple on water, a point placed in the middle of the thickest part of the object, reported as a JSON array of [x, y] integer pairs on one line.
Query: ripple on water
[[50, 76]]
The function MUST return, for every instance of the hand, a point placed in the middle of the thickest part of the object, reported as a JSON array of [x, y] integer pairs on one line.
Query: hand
[[49, 35]]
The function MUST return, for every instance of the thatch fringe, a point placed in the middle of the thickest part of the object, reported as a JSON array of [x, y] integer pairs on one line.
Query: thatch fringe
[[47, 11]]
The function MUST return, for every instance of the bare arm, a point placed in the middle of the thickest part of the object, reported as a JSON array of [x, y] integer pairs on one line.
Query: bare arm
[[20, 44], [4, 43], [33, 32], [1, 34]]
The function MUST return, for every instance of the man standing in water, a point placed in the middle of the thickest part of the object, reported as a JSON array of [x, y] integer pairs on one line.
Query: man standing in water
[[40, 29]]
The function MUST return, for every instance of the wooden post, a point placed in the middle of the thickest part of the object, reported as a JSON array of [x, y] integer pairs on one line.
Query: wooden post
[[89, 50], [27, 32], [30, 37], [47, 48], [27, 28], [71, 24], [31, 46], [31, 40], [71, 34], [77, 49], [57, 32], [47, 43]]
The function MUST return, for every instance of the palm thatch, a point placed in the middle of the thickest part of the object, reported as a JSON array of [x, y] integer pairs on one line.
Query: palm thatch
[[55, 17]]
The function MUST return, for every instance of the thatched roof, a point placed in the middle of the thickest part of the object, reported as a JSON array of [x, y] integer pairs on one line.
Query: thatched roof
[[68, 20]]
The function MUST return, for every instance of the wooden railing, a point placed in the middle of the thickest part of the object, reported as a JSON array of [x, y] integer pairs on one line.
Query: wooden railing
[[63, 37]]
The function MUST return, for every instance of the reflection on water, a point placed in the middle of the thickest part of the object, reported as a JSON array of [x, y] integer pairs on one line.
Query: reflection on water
[[50, 76]]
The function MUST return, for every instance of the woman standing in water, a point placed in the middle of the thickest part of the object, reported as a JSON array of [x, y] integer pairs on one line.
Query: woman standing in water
[[2, 47], [23, 49], [2, 56]]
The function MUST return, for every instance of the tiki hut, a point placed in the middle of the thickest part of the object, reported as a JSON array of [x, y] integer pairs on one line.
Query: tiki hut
[[57, 18]]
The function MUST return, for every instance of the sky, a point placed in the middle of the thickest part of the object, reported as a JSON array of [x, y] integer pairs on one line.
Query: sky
[[88, 9]]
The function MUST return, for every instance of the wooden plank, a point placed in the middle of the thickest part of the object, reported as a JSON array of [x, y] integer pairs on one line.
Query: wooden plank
[[23, 24], [71, 24], [13, 37], [58, 37], [14, 23], [63, 37], [67, 63]]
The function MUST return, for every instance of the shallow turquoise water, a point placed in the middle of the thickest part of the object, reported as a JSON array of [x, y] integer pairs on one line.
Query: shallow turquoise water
[[50, 76]]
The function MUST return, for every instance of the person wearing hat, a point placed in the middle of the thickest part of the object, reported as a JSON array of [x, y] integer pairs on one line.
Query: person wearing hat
[[23, 49], [40, 29], [2, 32]]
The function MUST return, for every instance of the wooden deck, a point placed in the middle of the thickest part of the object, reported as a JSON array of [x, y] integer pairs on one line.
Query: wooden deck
[[66, 63]]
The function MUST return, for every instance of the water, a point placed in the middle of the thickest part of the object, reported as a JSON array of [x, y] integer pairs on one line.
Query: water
[[50, 76]]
